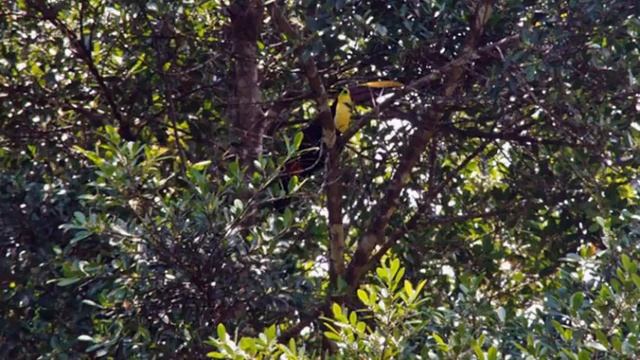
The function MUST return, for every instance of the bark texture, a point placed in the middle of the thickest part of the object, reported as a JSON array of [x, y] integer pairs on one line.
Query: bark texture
[[333, 174], [247, 120]]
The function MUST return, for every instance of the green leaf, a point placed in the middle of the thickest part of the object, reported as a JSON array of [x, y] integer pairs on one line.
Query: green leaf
[[635, 278], [297, 140], [382, 274], [353, 318], [595, 345], [337, 311], [247, 343], [616, 343], [332, 336], [216, 355], [523, 349], [92, 303], [138, 65], [626, 262], [566, 334], [492, 353], [442, 345], [576, 301], [408, 288], [292, 186], [68, 281], [584, 355], [395, 266], [222, 332], [80, 217], [201, 165], [79, 236], [362, 295], [86, 338], [602, 338], [36, 71], [478, 350], [271, 332]]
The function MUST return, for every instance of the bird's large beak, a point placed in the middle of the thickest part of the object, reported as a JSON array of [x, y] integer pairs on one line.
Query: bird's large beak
[[366, 93], [382, 84]]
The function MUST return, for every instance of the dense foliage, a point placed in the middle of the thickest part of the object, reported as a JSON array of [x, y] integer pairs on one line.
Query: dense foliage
[[487, 209]]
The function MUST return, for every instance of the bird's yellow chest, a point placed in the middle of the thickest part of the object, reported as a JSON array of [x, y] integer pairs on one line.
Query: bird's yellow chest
[[342, 117]]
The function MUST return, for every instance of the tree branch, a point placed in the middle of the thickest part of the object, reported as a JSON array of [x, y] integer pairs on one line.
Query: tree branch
[[50, 14], [413, 222], [508, 136], [434, 76], [386, 207], [333, 170]]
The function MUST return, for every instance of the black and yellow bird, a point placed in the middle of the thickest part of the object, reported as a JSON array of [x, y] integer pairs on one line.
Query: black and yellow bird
[[312, 154]]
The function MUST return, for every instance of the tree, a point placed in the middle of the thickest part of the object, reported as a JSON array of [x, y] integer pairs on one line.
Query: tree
[[142, 146]]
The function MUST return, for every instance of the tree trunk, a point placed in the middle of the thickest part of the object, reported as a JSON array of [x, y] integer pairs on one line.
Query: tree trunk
[[247, 121]]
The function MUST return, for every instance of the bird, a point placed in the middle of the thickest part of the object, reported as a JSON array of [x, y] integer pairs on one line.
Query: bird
[[311, 151], [344, 103], [343, 110]]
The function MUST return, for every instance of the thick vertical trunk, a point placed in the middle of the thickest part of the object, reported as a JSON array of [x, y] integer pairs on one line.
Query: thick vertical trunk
[[247, 121]]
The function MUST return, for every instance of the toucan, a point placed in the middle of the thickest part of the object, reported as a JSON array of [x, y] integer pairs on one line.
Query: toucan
[[312, 154]]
